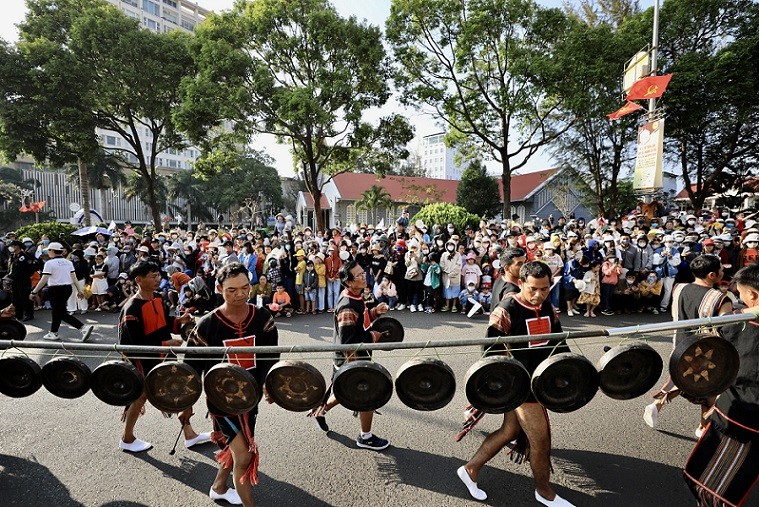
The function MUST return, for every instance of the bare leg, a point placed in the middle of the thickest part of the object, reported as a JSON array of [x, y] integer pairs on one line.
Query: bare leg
[[184, 419], [365, 418], [220, 482], [534, 423], [493, 444], [132, 414], [241, 457]]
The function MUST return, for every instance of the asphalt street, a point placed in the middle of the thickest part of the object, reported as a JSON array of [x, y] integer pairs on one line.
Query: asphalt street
[[56, 452]]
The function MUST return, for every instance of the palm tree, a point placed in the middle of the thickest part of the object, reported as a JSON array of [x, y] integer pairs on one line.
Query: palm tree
[[103, 173], [374, 198], [137, 188], [184, 185]]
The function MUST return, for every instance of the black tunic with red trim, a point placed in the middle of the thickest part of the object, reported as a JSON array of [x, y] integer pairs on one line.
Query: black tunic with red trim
[[513, 317], [256, 329], [144, 322], [352, 322]]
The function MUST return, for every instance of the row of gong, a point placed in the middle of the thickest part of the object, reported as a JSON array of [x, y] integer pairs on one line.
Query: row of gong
[[701, 366]]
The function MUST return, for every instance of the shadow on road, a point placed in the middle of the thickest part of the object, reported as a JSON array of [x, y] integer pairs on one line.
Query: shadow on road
[[679, 436], [195, 474], [124, 503], [26, 482], [612, 479], [273, 492]]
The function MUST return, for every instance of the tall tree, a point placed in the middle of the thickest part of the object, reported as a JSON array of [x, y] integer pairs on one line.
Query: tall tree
[[299, 71], [600, 150], [478, 191], [373, 199], [485, 68], [712, 125], [103, 173], [186, 186], [48, 93]]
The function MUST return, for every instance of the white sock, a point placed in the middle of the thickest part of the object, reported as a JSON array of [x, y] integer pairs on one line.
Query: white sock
[[366, 436]]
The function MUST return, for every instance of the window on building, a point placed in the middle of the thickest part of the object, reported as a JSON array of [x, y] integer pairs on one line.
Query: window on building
[[112, 141], [151, 7], [170, 16], [133, 3], [188, 25], [170, 2], [350, 214], [151, 24], [131, 14]]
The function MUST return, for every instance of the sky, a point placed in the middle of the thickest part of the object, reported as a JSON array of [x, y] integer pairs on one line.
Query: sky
[[373, 11]]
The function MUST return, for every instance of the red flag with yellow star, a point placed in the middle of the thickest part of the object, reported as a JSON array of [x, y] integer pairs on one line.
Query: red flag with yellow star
[[651, 87], [628, 108]]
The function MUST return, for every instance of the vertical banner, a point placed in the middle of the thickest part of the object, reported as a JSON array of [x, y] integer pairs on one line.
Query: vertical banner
[[648, 163]]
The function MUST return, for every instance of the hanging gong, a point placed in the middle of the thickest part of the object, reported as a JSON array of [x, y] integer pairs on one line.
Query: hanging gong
[[117, 383], [497, 384], [628, 371], [565, 382], [11, 329], [186, 329], [66, 377], [425, 384], [19, 376], [362, 386], [173, 387], [295, 385], [231, 388], [391, 330], [704, 365]]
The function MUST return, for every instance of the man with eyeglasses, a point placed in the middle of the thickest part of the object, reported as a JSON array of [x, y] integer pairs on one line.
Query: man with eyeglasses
[[352, 319], [696, 300]]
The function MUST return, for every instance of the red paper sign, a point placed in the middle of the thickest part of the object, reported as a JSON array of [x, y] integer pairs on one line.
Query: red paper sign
[[246, 360], [540, 325]]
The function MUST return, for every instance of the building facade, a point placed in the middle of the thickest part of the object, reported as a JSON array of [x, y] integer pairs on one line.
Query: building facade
[[437, 159]]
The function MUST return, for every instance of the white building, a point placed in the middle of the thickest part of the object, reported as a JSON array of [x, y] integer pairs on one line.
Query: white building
[[437, 159]]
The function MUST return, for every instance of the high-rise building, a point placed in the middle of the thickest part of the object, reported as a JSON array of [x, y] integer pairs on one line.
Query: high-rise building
[[437, 159]]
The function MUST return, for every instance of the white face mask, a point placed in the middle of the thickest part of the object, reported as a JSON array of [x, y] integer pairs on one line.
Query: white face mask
[[451, 248]]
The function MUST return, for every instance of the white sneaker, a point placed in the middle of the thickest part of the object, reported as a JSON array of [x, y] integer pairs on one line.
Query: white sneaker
[[202, 438], [51, 336], [86, 332], [419, 308], [136, 446], [476, 492], [412, 308], [400, 307], [556, 502], [651, 415], [230, 496]]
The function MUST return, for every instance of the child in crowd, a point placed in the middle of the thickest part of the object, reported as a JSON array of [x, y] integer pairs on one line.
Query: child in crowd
[[273, 273], [591, 293], [280, 302], [310, 282], [387, 292], [321, 282], [300, 270], [432, 282], [611, 270], [98, 273], [369, 300], [486, 298], [627, 293], [471, 272], [650, 293], [187, 301], [469, 299]]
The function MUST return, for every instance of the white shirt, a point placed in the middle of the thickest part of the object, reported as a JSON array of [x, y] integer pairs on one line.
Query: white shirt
[[60, 270]]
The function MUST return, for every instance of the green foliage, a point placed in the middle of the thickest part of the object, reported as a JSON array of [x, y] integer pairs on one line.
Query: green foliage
[[373, 199], [625, 198], [486, 69], [103, 173], [478, 192], [299, 71], [445, 213], [55, 231]]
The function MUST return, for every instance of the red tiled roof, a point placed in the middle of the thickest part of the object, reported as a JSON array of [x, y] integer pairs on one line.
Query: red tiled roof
[[401, 188], [683, 194], [413, 189], [310, 201], [523, 184]]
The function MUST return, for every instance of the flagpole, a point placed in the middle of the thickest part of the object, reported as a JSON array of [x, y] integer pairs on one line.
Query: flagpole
[[654, 51]]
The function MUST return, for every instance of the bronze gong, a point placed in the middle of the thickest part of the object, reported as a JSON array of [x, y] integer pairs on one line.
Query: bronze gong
[[11, 329], [425, 384], [295, 385], [497, 384], [231, 388], [117, 383], [19, 376], [173, 387], [391, 329], [628, 371], [66, 377], [704, 365], [565, 382], [362, 386]]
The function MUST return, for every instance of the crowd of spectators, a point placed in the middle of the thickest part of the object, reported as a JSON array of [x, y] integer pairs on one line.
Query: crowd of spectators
[[608, 266]]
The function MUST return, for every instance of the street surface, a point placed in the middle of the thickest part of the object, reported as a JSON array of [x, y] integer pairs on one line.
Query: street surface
[[56, 452]]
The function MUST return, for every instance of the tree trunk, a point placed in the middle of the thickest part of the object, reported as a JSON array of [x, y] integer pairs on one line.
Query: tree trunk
[[155, 211], [506, 181], [84, 189]]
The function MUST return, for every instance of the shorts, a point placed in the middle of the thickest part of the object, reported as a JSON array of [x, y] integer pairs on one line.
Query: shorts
[[231, 425], [310, 294], [299, 288]]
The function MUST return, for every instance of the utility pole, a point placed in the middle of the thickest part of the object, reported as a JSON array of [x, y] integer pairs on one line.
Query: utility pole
[[654, 53]]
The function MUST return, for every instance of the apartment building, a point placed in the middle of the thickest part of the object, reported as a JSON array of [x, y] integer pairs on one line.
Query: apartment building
[[438, 160]]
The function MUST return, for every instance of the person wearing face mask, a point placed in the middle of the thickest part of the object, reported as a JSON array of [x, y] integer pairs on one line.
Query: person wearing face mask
[[21, 266], [450, 263], [629, 258], [645, 254], [666, 263], [729, 255], [249, 259]]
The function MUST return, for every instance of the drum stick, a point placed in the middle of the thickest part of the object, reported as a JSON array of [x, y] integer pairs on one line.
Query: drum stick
[[174, 449]]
